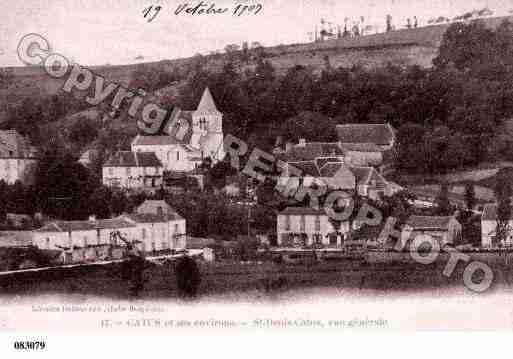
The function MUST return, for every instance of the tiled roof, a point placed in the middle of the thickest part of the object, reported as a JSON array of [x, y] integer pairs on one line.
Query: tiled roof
[[133, 159], [301, 211], [322, 161], [361, 147], [66, 226], [312, 150], [378, 134], [70, 226], [15, 238], [114, 223], [152, 206], [308, 168], [153, 218], [331, 168], [331, 171], [429, 222], [155, 140], [14, 145]]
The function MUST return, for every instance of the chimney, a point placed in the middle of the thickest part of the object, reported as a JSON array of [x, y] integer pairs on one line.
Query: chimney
[[302, 142]]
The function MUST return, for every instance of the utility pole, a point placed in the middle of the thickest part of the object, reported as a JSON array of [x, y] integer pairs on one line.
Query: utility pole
[[248, 203]]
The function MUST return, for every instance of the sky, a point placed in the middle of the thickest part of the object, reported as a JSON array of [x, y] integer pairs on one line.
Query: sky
[[98, 32]]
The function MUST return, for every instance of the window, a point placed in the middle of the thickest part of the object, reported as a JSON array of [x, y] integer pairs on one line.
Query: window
[[165, 245], [111, 171], [203, 124], [317, 223], [302, 223], [287, 223], [47, 243], [160, 211], [128, 171], [153, 248], [144, 171], [144, 233], [178, 155], [85, 241]]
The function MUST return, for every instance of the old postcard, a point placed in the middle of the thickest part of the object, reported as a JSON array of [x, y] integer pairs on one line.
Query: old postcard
[[255, 165]]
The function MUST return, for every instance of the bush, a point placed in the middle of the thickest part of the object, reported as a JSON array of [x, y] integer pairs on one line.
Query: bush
[[188, 277]]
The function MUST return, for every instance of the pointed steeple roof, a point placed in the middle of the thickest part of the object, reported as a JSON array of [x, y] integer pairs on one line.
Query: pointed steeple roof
[[207, 105]]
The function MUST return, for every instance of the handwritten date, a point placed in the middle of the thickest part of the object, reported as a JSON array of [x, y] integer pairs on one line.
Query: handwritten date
[[204, 8]]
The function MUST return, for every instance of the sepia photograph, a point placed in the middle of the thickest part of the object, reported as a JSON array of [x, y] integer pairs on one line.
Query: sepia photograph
[[255, 165]]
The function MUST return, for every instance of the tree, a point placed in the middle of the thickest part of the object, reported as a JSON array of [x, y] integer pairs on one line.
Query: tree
[[188, 277], [503, 194], [442, 201], [152, 78], [6, 78], [83, 131], [399, 205], [470, 195]]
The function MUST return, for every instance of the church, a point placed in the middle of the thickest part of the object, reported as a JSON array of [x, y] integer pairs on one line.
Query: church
[[170, 154]]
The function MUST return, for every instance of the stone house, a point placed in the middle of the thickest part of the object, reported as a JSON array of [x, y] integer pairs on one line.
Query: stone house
[[154, 226], [18, 159], [368, 144], [304, 226], [444, 229], [133, 170], [489, 227], [365, 181]]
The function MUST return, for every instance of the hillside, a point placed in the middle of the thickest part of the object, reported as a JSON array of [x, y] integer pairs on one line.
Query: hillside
[[407, 46]]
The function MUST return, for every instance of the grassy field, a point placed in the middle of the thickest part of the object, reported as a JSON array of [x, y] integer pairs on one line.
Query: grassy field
[[266, 278]]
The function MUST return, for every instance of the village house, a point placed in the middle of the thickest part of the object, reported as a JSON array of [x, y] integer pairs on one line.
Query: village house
[[444, 229], [159, 227], [154, 226], [88, 157], [82, 241], [185, 152], [332, 164], [365, 181], [304, 226], [489, 227], [368, 144], [18, 160], [131, 170]]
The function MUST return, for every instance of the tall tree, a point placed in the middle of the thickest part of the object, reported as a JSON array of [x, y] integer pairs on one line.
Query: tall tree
[[470, 196], [503, 196], [443, 204]]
